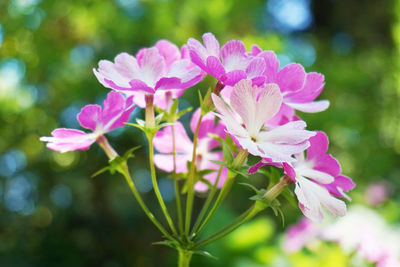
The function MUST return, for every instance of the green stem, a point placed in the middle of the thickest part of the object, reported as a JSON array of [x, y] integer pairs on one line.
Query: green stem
[[155, 186], [207, 203], [190, 193], [184, 257], [248, 214], [176, 184], [143, 205], [111, 153], [236, 164]]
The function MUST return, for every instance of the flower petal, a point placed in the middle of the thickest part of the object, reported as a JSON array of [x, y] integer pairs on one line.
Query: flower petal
[[313, 197], [64, 140], [271, 66], [211, 44], [152, 65], [312, 88], [90, 116], [169, 51], [233, 56], [316, 106], [163, 140], [291, 78]]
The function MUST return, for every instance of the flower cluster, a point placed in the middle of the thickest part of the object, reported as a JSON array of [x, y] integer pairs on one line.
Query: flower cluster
[[371, 239], [255, 102]]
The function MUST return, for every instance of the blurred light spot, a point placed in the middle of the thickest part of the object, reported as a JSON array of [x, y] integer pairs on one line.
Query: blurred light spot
[[251, 234], [284, 59], [42, 217], [11, 73], [19, 195], [132, 8], [142, 180], [290, 15], [35, 18], [27, 96], [342, 43], [1, 34], [12, 162], [167, 189], [61, 195], [303, 51], [18, 7], [68, 116], [65, 159], [81, 55]]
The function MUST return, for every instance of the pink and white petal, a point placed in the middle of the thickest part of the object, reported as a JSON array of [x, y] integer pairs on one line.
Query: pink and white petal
[[318, 145], [169, 51], [255, 50], [168, 83], [233, 56], [280, 152], [163, 140], [312, 107], [244, 102], [289, 170], [271, 66], [233, 77], [138, 85], [327, 164], [291, 78], [197, 50], [284, 115], [113, 105], [226, 94], [211, 44], [101, 78], [233, 126], [64, 140], [152, 65], [107, 72], [290, 133], [341, 184], [90, 116], [188, 73], [313, 196], [317, 176], [120, 119], [214, 67], [268, 103], [166, 163], [127, 66], [256, 68], [312, 88]]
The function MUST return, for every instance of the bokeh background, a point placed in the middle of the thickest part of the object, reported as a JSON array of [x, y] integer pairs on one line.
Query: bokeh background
[[53, 214]]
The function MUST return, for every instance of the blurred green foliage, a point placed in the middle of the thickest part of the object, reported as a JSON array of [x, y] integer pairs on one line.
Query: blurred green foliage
[[53, 214]]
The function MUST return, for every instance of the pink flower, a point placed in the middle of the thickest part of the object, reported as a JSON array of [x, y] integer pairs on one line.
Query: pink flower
[[300, 235], [299, 89], [250, 107], [228, 64], [184, 149], [115, 112], [317, 178], [156, 70]]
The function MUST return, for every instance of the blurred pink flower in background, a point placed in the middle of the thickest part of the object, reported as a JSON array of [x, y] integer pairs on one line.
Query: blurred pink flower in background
[[377, 193], [362, 231], [115, 112], [184, 149]]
